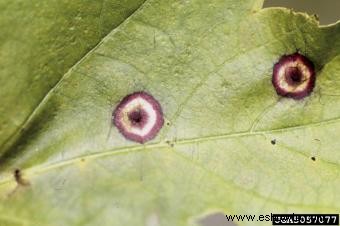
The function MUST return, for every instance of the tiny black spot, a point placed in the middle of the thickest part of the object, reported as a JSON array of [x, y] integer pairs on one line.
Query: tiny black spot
[[18, 178], [273, 142], [168, 123], [171, 144], [313, 158], [17, 174]]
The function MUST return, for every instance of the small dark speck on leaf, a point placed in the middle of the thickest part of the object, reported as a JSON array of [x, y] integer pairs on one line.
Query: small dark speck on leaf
[[273, 142], [19, 179], [17, 174], [313, 158], [171, 144]]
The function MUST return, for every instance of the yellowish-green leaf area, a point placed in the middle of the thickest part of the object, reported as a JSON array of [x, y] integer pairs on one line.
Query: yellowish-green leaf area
[[209, 64]]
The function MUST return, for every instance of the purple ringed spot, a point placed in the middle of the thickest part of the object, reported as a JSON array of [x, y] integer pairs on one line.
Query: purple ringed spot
[[138, 117], [294, 76]]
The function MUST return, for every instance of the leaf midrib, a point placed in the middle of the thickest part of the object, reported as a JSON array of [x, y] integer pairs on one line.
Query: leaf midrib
[[124, 150]]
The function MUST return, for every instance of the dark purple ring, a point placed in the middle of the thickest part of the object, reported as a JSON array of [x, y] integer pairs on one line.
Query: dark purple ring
[[294, 77], [138, 118]]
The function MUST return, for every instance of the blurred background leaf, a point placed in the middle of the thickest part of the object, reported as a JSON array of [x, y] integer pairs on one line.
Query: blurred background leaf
[[327, 10]]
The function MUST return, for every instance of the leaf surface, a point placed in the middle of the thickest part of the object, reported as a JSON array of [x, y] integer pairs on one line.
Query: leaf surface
[[40, 42], [210, 66]]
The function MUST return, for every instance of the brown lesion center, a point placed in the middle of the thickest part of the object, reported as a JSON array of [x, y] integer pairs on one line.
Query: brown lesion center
[[294, 76], [136, 117]]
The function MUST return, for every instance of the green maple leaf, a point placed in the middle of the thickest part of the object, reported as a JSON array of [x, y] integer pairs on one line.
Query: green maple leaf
[[40, 42], [210, 67]]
